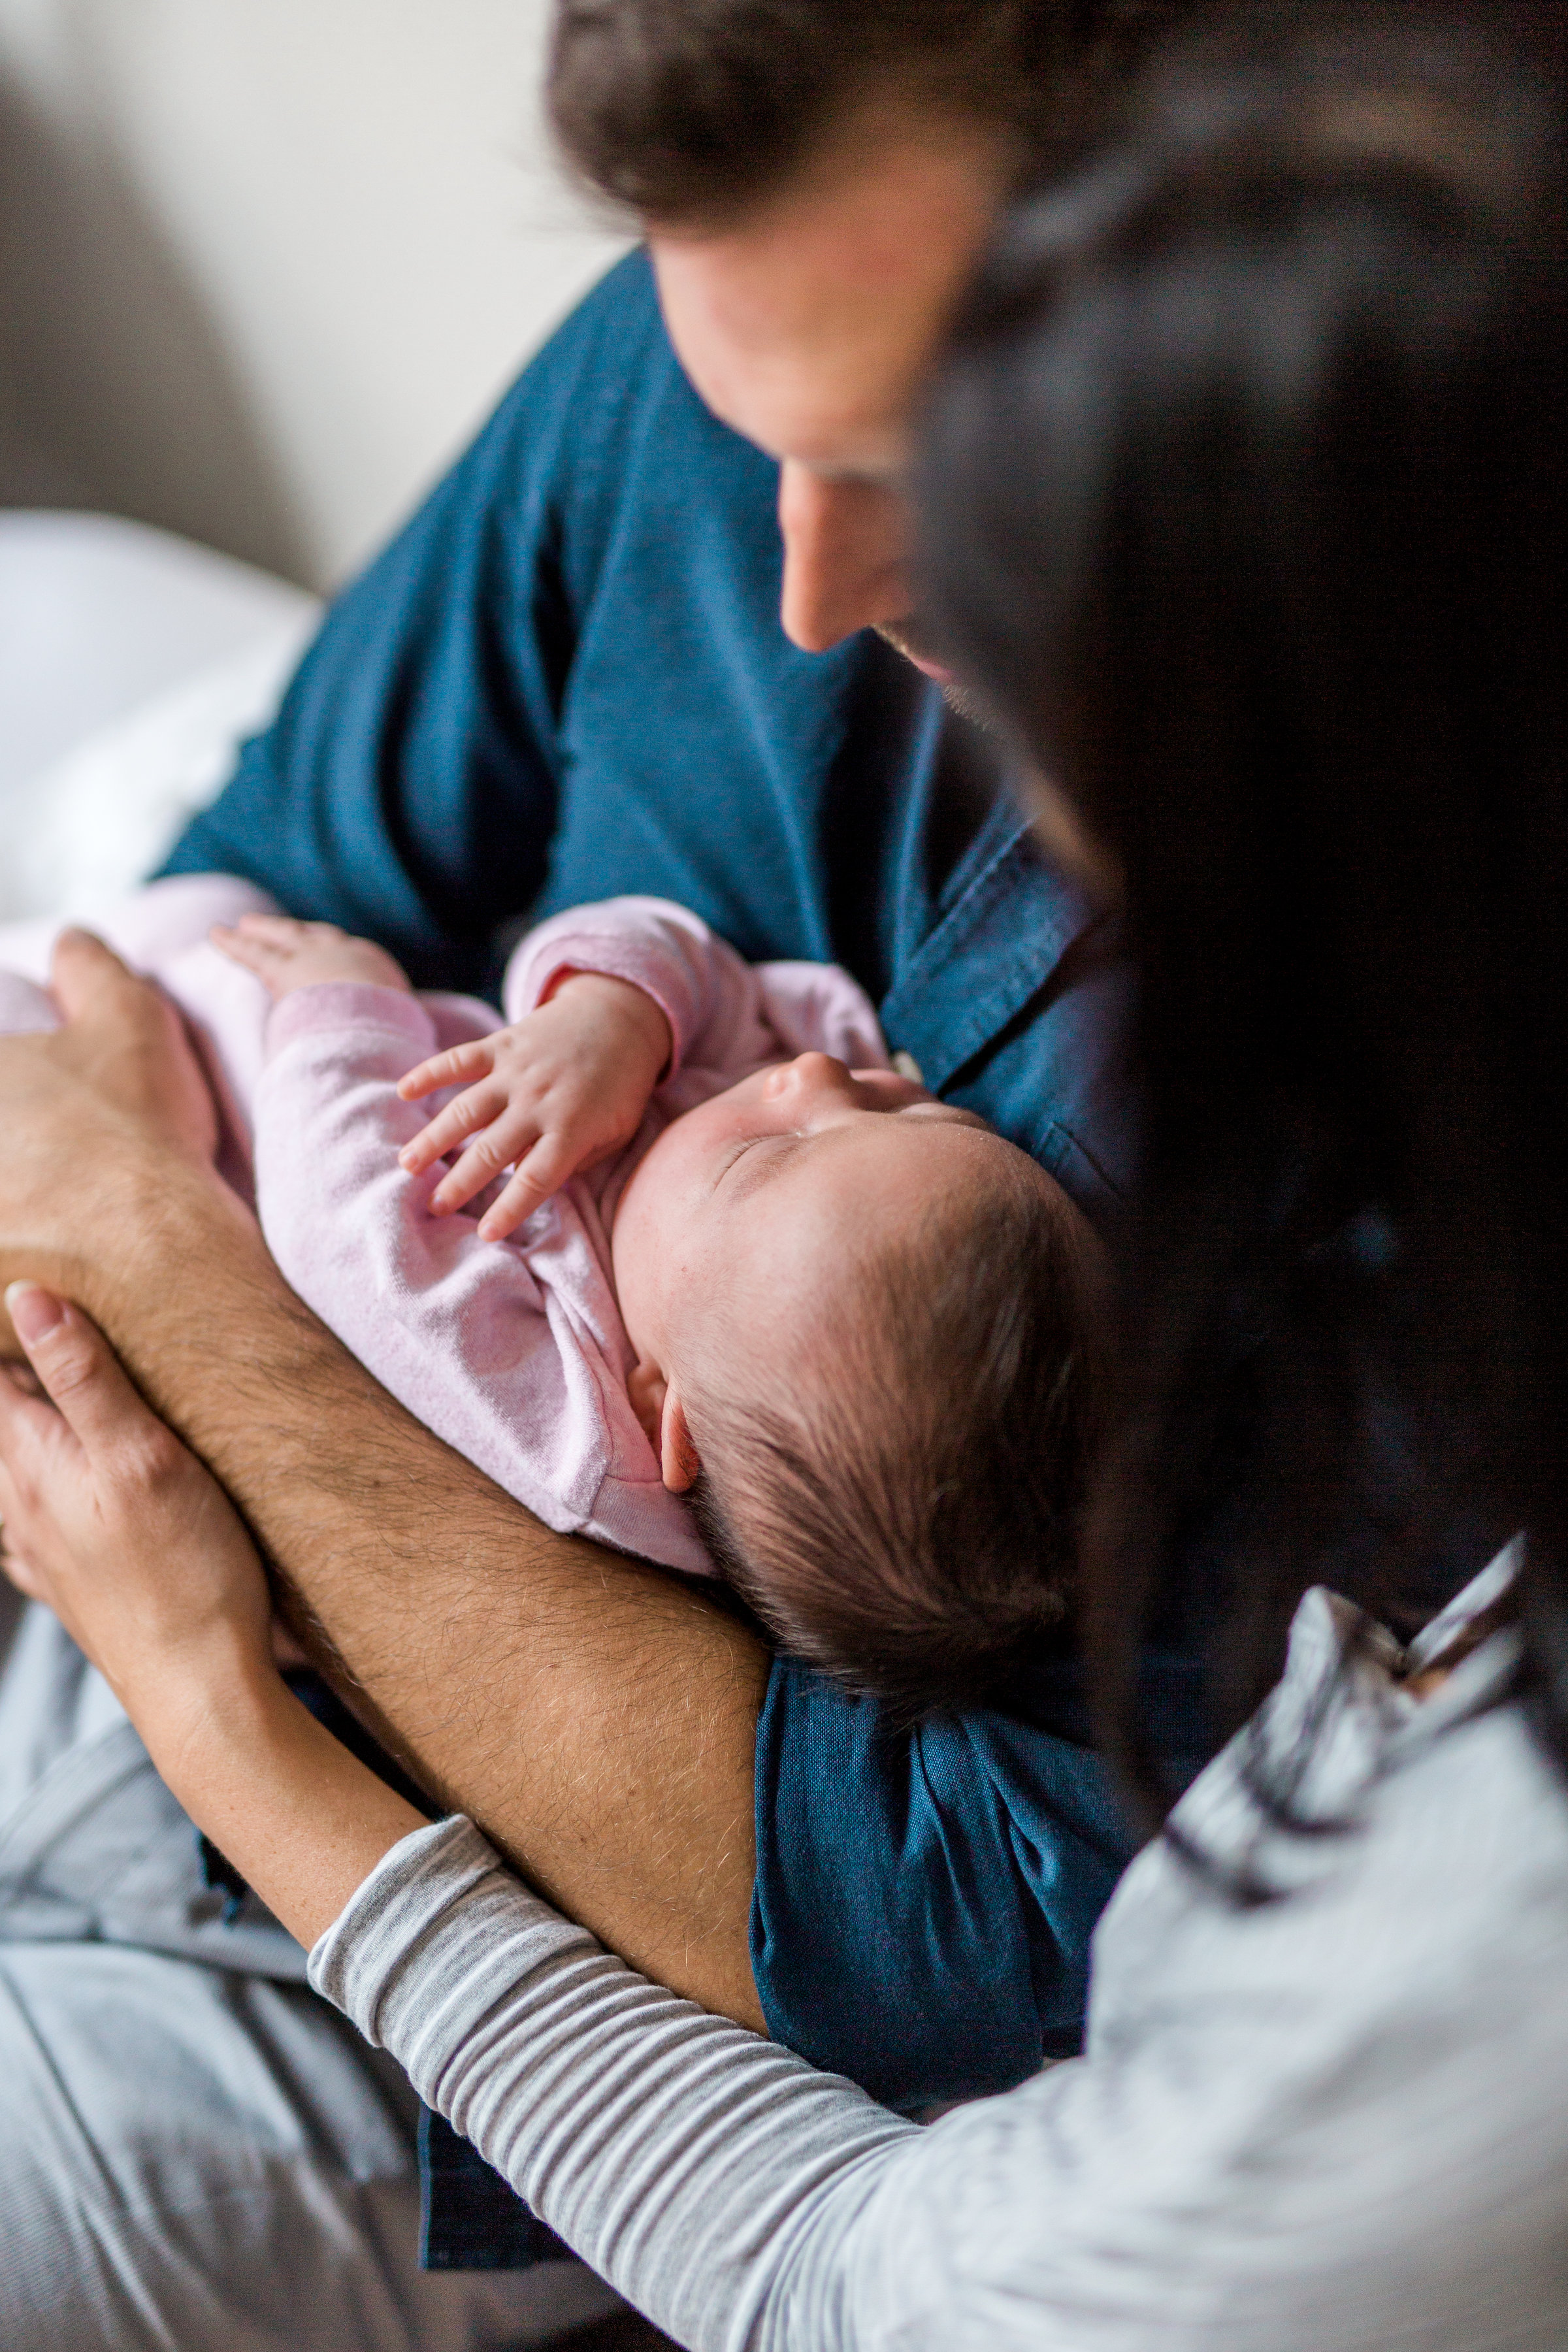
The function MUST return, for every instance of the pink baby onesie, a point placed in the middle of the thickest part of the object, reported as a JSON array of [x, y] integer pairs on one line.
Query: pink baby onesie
[[512, 1351]]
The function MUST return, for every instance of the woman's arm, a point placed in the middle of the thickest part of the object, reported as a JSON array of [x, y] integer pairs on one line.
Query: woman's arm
[[113, 1524], [726, 2187]]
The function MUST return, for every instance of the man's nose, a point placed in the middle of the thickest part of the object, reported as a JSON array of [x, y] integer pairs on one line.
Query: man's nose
[[845, 557]]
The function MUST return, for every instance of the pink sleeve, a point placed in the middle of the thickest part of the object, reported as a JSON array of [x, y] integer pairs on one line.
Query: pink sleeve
[[817, 1008], [520, 1370], [723, 1012]]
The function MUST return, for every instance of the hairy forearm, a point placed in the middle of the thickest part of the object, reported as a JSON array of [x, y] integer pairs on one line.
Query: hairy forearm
[[596, 1718]]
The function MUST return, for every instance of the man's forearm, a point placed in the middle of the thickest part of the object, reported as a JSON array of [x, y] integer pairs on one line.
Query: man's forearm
[[596, 1717]]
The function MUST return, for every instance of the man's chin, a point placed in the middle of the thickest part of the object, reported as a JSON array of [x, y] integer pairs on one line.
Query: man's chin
[[904, 638], [958, 697]]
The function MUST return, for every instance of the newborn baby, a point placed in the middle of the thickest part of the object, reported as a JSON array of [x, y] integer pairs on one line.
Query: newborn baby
[[745, 1295]]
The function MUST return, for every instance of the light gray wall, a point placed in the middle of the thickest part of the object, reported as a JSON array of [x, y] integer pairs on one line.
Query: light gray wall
[[264, 264]]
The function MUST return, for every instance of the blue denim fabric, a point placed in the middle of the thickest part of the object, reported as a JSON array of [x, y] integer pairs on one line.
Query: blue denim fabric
[[565, 678], [470, 2218], [970, 1860]]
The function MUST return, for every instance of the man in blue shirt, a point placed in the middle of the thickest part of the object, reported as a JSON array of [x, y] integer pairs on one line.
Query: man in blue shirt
[[436, 771], [567, 678]]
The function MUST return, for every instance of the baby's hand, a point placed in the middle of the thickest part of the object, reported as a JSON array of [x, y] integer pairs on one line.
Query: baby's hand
[[560, 1090], [287, 955]]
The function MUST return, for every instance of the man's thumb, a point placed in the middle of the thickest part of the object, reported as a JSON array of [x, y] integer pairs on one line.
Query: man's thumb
[[82, 966]]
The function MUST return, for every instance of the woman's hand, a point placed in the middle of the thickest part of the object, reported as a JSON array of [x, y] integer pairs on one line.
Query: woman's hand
[[119, 1528]]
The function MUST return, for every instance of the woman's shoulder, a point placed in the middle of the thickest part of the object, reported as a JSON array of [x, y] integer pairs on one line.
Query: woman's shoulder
[[1325, 2094]]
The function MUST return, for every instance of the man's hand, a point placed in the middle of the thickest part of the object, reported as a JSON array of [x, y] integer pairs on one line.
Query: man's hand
[[560, 1090], [125, 1044], [118, 1080]]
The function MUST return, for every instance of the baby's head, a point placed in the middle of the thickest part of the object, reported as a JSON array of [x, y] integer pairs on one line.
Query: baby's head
[[867, 1340]]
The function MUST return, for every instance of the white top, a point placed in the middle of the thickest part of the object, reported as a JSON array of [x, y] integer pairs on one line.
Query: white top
[[1337, 2119]]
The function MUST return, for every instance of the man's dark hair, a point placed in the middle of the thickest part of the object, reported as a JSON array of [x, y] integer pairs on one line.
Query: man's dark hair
[[907, 1519], [691, 111], [1244, 497]]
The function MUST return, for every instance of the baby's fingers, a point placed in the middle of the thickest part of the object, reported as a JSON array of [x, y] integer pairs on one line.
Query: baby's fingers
[[503, 1141], [449, 1069], [544, 1170], [471, 1111], [257, 955]]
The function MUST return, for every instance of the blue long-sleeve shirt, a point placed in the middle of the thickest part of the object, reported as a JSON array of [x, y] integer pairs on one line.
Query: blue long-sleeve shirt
[[564, 679]]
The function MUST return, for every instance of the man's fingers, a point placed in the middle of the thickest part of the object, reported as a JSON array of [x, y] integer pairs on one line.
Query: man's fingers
[[79, 1370]]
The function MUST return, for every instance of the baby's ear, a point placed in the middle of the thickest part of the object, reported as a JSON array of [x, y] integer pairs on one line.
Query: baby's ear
[[677, 1455], [646, 1390]]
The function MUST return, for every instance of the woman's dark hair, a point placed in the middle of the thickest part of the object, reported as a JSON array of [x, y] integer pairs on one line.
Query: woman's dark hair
[[1243, 495], [690, 112]]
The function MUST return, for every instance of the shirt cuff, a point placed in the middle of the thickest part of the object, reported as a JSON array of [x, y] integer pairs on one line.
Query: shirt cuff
[[610, 957]]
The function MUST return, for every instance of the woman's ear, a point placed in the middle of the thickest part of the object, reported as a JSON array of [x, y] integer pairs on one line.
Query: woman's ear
[[677, 1455]]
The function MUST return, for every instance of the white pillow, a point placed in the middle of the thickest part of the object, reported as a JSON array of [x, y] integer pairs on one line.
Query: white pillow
[[94, 823]]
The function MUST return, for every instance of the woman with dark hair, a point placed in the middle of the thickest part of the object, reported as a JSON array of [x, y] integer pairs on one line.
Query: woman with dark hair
[[1245, 502], [1277, 601]]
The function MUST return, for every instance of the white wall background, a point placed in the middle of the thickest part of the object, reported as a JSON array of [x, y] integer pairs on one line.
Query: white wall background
[[264, 264]]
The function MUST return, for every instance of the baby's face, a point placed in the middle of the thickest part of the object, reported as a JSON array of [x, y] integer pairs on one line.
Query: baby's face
[[747, 1205]]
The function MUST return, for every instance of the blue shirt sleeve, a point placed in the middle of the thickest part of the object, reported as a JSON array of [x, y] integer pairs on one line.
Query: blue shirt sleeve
[[411, 786], [924, 1901]]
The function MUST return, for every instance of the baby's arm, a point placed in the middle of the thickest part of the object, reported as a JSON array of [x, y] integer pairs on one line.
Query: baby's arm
[[456, 1332], [724, 1014], [559, 1090]]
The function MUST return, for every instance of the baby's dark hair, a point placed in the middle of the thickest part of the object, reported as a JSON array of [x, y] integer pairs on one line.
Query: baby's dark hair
[[909, 1522]]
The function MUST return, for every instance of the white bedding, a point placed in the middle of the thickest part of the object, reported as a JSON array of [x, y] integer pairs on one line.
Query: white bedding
[[132, 665]]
